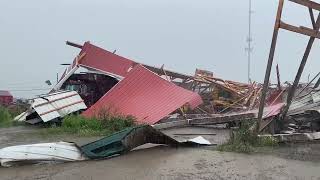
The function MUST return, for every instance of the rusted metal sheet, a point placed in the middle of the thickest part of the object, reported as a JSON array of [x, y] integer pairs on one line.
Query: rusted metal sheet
[[144, 95]]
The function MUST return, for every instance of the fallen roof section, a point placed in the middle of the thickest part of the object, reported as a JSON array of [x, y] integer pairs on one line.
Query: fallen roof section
[[144, 95], [51, 106], [130, 138], [116, 144], [105, 61], [5, 93]]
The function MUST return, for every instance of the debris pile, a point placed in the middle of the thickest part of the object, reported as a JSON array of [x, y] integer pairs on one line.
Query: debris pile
[[222, 96], [109, 82], [116, 144], [166, 99]]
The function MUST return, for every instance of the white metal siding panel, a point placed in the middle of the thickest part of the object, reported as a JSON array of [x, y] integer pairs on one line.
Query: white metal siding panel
[[60, 105]]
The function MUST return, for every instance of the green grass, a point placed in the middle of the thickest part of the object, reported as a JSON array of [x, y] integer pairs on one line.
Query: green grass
[[244, 140], [81, 126], [5, 117]]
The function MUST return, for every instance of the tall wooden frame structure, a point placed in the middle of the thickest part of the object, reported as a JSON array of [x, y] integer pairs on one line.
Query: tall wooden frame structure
[[313, 33]]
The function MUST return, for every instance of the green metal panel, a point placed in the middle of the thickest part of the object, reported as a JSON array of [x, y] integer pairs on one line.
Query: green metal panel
[[125, 140], [107, 146]]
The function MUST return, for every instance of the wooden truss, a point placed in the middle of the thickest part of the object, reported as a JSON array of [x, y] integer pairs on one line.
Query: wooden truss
[[313, 33]]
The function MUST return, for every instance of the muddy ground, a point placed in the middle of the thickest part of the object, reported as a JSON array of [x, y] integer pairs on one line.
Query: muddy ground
[[298, 161]]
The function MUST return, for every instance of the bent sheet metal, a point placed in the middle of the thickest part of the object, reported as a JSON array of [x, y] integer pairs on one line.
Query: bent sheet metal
[[52, 106], [44, 152], [130, 138], [116, 144]]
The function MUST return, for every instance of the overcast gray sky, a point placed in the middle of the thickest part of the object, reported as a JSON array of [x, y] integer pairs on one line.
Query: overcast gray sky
[[182, 34]]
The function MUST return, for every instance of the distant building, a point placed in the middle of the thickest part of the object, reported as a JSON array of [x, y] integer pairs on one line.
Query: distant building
[[5, 98]]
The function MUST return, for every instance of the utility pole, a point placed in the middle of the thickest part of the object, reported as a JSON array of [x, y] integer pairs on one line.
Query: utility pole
[[249, 40]]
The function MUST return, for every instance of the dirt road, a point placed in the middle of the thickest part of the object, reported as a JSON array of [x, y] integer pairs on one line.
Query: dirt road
[[183, 163], [167, 163]]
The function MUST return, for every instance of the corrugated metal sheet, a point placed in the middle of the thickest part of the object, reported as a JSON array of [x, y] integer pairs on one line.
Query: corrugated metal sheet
[[146, 96], [308, 102], [58, 104], [105, 61], [272, 110]]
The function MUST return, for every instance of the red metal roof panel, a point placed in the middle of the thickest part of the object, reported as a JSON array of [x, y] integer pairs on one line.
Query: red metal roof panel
[[144, 95], [273, 110], [5, 93], [104, 60]]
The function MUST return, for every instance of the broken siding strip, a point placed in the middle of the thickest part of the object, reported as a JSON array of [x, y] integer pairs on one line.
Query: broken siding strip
[[57, 109], [58, 104], [222, 119], [55, 100]]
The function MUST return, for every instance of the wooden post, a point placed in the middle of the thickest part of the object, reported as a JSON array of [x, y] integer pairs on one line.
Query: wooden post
[[278, 77], [312, 18], [269, 65], [300, 70], [74, 44], [317, 84]]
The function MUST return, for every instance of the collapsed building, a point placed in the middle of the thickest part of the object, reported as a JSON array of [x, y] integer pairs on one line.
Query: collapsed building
[[153, 95], [100, 80], [120, 86]]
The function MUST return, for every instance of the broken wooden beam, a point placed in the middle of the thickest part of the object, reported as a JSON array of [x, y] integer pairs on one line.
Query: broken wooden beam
[[300, 30], [307, 3], [300, 70], [269, 64], [222, 119], [74, 44]]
